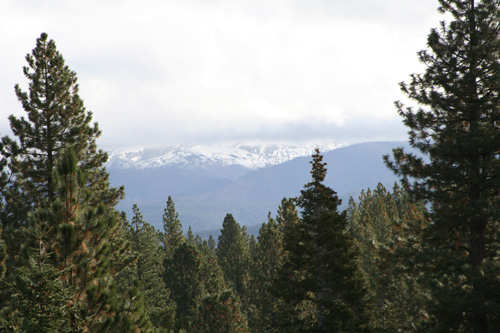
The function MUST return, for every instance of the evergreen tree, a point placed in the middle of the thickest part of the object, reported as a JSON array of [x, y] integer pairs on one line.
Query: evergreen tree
[[172, 227], [211, 271], [130, 314], [265, 262], [284, 316], [3, 183], [319, 279], [60, 174], [220, 314], [233, 256], [456, 130], [56, 119], [287, 213], [8, 147], [146, 242], [40, 297], [384, 226], [190, 239], [3, 256], [211, 243], [184, 278], [86, 240], [3, 268]]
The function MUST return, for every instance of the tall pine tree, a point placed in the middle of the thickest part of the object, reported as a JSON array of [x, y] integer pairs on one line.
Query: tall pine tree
[[184, 276], [59, 173], [266, 259], [385, 226], [457, 130], [220, 313], [320, 280], [233, 255], [146, 243], [172, 227], [56, 119]]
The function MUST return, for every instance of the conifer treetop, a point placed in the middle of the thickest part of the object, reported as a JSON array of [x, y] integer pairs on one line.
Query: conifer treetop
[[317, 197]]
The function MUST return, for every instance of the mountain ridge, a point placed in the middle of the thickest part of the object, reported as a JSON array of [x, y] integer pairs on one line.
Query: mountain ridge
[[204, 194], [248, 155]]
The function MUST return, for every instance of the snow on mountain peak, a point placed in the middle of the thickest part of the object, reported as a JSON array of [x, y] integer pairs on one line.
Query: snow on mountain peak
[[249, 155]]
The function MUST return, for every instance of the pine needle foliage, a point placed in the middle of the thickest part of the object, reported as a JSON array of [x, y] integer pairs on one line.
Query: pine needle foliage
[[220, 313], [172, 227], [320, 281], [456, 129], [386, 227], [58, 172]]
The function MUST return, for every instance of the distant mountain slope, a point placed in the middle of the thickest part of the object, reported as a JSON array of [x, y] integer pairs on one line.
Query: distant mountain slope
[[250, 156], [204, 194]]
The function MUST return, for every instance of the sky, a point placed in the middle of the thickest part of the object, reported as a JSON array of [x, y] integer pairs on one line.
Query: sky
[[169, 72]]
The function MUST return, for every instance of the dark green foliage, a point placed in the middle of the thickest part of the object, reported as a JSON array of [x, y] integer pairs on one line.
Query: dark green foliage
[[8, 147], [232, 253], [39, 296], [70, 262], [266, 259], [130, 313], [3, 257], [211, 271], [183, 277], [287, 213], [86, 243], [191, 270], [220, 314], [190, 239], [211, 243], [385, 227], [146, 243], [456, 128], [319, 280], [56, 119], [172, 227], [59, 173]]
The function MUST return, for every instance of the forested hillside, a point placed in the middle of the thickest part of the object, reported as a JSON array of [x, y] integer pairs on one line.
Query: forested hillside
[[203, 197], [419, 256]]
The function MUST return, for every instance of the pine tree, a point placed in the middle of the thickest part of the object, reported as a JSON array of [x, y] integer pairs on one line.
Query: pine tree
[[172, 227], [287, 213], [3, 183], [86, 240], [190, 239], [3, 257], [320, 280], [40, 297], [146, 242], [7, 148], [233, 256], [265, 262], [59, 173], [211, 243], [456, 129], [220, 313], [183, 276], [384, 226], [213, 276], [56, 118]]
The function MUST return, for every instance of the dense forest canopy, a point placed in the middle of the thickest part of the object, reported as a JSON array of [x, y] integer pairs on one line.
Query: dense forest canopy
[[420, 257]]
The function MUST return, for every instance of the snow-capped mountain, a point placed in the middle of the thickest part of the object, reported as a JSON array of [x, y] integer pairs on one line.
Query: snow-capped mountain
[[248, 155], [205, 193]]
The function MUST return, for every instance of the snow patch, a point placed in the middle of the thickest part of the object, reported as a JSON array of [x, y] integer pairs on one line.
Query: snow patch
[[249, 155]]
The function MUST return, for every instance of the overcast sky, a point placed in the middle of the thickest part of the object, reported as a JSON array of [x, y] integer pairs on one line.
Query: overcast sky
[[159, 72]]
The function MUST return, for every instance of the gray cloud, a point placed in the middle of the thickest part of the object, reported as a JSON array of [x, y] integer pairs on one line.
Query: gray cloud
[[160, 72]]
